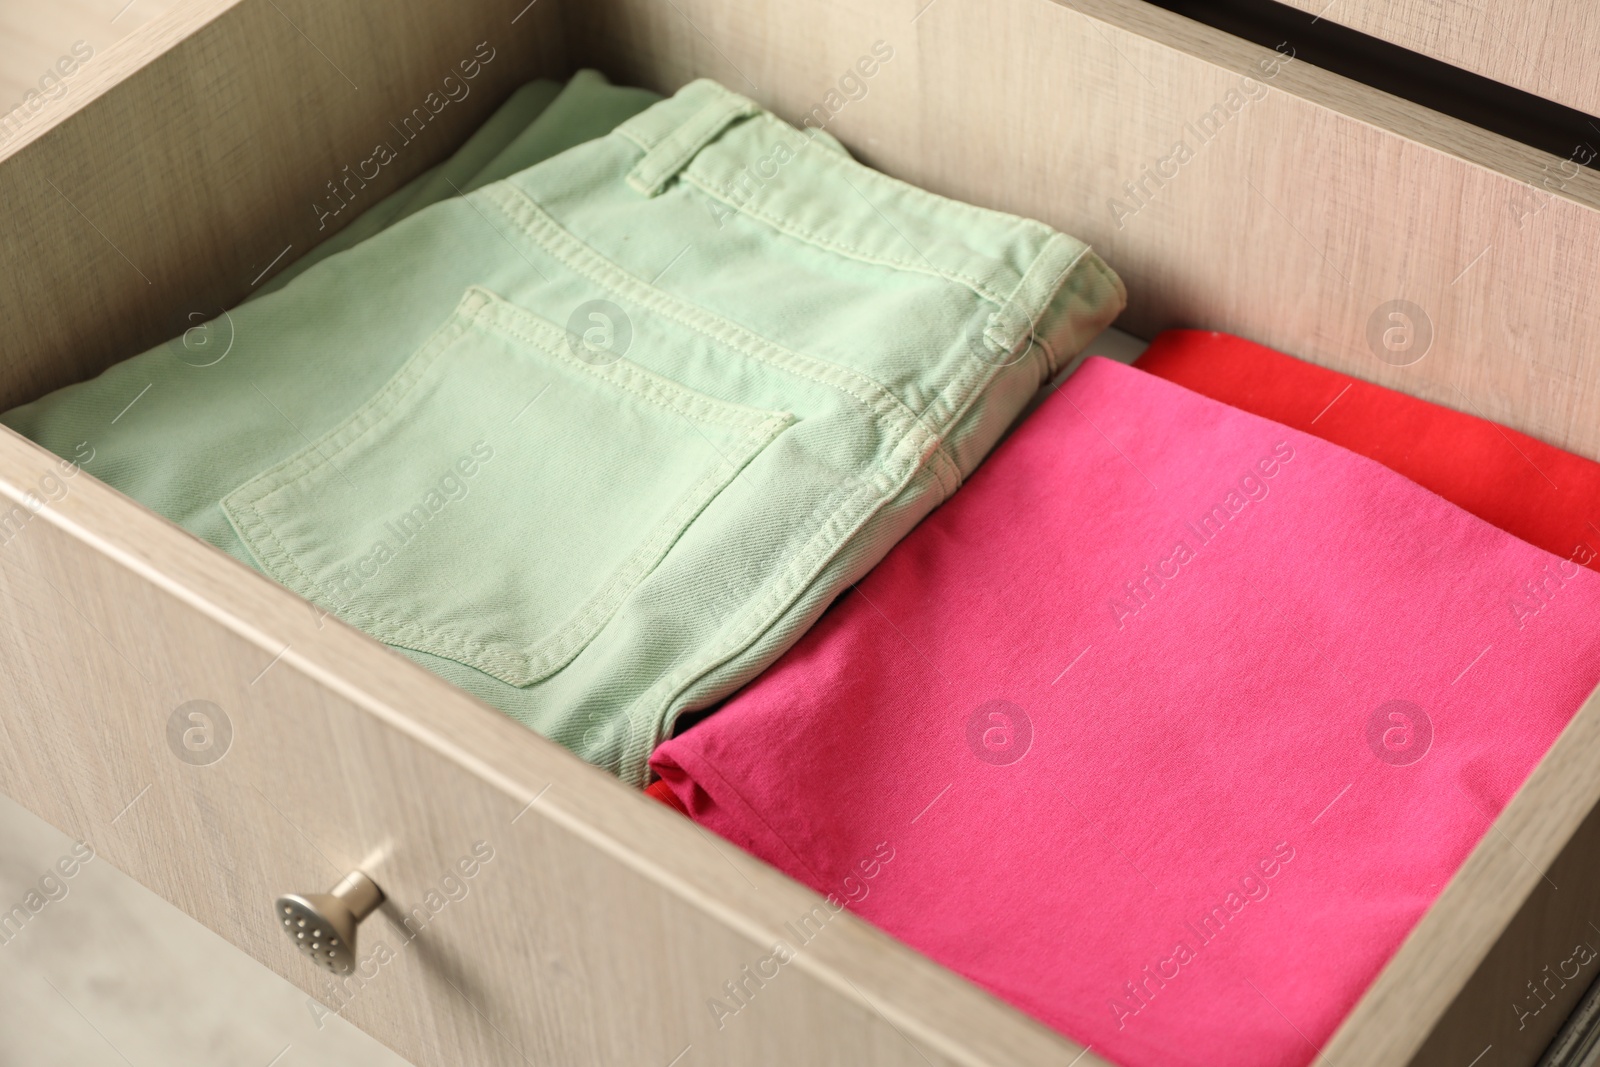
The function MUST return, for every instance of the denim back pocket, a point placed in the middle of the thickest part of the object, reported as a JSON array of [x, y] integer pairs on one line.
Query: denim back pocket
[[497, 500]]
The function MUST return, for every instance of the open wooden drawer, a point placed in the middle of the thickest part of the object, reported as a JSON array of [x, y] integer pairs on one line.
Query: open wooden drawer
[[596, 925]]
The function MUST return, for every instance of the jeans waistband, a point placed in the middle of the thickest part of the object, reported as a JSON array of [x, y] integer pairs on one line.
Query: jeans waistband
[[802, 184]]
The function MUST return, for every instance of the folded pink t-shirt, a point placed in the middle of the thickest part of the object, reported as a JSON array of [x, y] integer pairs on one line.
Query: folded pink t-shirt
[[1166, 728]]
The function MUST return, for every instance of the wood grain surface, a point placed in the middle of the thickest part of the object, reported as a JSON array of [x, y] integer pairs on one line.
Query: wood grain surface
[[1545, 47], [34, 37], [107, 974], [176, 194]]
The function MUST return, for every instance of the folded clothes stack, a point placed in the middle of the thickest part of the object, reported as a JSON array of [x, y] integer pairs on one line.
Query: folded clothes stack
[[1166, 727], [598, 440], [1175, 719]]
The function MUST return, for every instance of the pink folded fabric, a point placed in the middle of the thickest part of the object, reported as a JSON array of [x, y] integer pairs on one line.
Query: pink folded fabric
[[1173, 721]]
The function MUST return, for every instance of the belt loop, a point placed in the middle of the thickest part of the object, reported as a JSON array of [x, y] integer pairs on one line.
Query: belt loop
[[675, 130]]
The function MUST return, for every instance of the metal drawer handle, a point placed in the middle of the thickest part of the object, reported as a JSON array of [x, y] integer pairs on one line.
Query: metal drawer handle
[[323, 925]]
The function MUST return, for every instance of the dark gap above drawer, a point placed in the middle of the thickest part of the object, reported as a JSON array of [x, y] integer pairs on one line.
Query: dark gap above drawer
[[1513, 113]]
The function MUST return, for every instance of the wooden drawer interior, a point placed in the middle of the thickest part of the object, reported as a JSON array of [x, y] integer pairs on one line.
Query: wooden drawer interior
[[188, 164]]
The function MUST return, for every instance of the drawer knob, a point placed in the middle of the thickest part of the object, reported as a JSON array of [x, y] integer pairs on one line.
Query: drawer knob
[[323, 925]]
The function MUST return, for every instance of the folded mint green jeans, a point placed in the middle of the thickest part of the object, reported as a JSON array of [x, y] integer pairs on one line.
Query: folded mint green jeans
[[598, 441]]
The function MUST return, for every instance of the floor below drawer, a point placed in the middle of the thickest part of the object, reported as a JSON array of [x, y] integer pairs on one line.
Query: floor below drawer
[[106, 973]]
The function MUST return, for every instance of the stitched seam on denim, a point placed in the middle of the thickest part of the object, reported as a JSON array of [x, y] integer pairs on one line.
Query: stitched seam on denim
[[469, 311], [981, 216], [1051, 362], [827, 540], [759, 429], [804, 568], [781, 590], [632, 127], [299, 465], [917, 439], [570, 638], [844, 161], [951, 412], [521, 210], [931, 202], [649, 716], [662, 162], [934, 204], [646, 384], [523, 667], [633, 138], [944, 468], [1034, 317], [940, 422], [668, 530], [648, 713], [891, 412], [897, 420], [652, 126], [789, 229], [1053, 290], [1101, 270]]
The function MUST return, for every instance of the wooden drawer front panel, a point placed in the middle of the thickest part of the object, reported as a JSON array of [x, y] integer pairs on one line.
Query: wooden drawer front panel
[[1499, 1009], [1545, 47]]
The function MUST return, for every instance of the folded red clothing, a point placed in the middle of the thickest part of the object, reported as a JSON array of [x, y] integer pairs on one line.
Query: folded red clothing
[[1527, 488], [1166, 728], [662, 793]]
